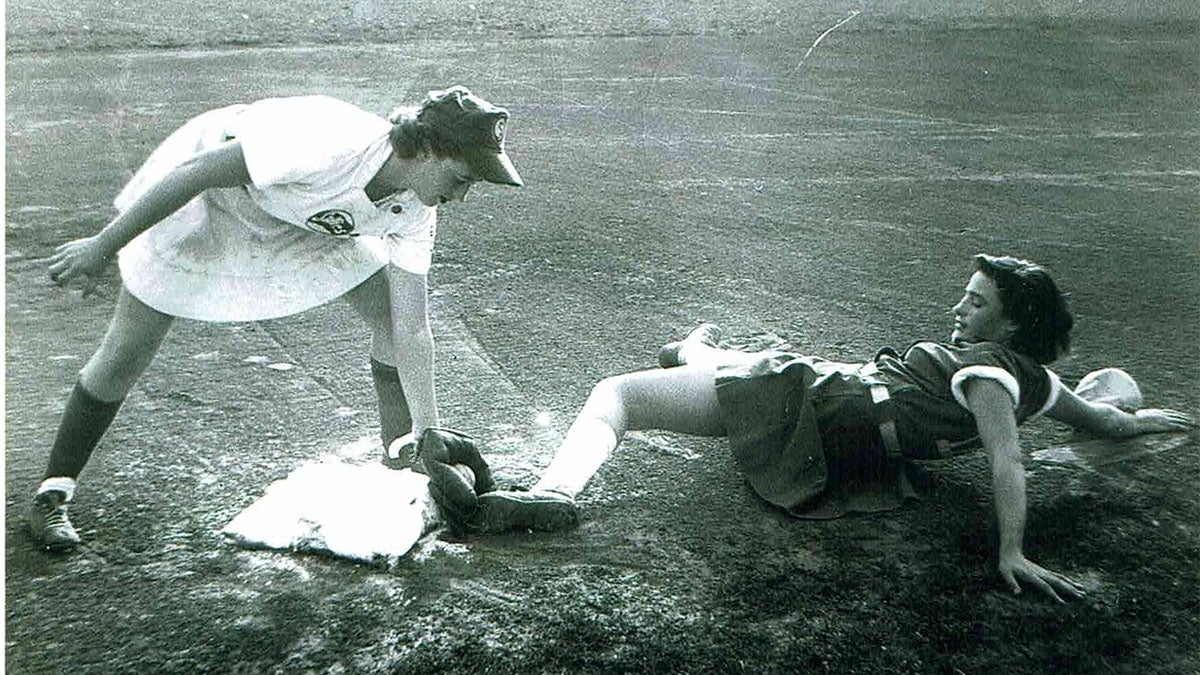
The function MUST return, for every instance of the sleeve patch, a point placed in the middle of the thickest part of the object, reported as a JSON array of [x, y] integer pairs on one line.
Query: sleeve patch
[[993, 373]]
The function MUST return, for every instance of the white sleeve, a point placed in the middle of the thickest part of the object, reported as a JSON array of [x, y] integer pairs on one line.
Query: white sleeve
[[291, 140], [411, 248], [281, 153], [994, 373], [1055, 387]]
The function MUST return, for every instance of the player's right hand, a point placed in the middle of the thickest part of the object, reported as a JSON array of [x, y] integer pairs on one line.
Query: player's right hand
[[84, 258]]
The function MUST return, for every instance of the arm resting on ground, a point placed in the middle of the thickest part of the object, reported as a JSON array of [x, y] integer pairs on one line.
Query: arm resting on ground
[[992, 407], [1107, 421]]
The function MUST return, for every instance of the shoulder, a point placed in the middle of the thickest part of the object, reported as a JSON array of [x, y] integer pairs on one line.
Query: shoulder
[[1032, 387], [303, 138]]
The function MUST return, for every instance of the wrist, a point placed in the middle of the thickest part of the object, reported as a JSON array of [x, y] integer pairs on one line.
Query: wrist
[[1010, 550], [105, 247]]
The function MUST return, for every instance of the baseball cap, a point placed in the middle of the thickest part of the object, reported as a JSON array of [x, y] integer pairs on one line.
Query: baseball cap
[[476, 127], [1110, 385]]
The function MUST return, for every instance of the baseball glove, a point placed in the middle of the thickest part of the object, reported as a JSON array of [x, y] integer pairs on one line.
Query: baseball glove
[[457, 474]]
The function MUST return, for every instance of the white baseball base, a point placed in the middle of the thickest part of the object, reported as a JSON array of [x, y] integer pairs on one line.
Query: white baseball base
[[363, 512]]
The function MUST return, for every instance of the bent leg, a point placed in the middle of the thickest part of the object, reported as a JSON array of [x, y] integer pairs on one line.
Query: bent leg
[[682, 400], [700, 349], [371, 301]]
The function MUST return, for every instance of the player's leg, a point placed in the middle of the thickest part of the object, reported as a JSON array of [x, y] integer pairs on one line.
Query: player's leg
[[129, 345], [701, 349], [683, 400], [371, 301]]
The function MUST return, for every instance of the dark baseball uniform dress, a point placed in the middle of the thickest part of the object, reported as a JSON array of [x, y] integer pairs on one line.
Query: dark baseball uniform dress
[[809, 434]]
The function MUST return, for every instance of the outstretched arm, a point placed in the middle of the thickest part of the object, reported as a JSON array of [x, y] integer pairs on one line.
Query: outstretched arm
[[992, 407], [1102, 419], [408, 294], [222, 166]]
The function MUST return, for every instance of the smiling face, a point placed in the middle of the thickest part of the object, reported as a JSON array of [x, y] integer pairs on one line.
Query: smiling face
[[441, 180], [979, 316]]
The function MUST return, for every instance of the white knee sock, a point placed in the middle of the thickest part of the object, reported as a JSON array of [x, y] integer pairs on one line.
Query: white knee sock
[[589, 443]]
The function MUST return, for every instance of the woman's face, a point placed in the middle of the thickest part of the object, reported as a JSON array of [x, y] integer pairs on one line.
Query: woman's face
[[979, 317], [442, 180]]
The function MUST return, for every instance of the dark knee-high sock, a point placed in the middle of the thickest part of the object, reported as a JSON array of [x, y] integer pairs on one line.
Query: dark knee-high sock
[[83, 423], [394, 417]]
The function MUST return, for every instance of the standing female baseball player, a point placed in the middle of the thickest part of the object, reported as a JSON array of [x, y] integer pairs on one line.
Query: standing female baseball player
[[258, 211], [819, 438]]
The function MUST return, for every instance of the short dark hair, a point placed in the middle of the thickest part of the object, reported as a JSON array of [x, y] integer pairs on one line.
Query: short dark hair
[[1031, 300], [410, 137]]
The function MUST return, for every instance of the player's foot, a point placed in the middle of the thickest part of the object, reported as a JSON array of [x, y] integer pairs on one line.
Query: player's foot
[[49, 523], [537, 510], [672, 353]]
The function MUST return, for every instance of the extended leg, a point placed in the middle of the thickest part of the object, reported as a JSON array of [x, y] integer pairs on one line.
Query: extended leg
[[133, 338], [682, 400]]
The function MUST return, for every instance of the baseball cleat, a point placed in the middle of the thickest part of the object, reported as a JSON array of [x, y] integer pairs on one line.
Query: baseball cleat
[[708, 334], [49, 523], [509, 511]]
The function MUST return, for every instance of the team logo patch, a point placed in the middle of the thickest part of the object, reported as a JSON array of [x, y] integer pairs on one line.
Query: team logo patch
[[498, 130], [333, 221]]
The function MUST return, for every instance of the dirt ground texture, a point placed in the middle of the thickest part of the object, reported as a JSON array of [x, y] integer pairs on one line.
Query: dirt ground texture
[[683, 164]]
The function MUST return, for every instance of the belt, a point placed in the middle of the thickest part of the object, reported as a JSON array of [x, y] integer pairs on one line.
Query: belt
[[885, 412]]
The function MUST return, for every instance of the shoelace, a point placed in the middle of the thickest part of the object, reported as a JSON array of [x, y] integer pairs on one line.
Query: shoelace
[[56, 517]]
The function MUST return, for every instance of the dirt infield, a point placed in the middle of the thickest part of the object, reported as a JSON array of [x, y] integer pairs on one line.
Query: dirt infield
[[714, 170]]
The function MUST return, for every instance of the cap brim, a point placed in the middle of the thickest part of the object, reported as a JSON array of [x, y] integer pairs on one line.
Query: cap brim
[[495, 168]]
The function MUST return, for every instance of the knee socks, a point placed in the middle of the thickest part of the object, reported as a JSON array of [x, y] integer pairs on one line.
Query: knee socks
[[588, 444], [394, 417], [83, 423]]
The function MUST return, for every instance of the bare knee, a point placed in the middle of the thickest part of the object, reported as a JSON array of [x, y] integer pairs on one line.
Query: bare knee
[[675, 399], [134, 335], [372, 303], [608, 402]]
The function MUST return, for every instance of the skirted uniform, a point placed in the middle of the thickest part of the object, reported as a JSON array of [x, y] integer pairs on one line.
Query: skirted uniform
[[303, 233], [820, 438]]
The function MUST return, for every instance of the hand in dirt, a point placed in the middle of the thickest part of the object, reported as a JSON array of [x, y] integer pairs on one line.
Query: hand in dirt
[[1047, 581], [1154, 420], [84, 258]]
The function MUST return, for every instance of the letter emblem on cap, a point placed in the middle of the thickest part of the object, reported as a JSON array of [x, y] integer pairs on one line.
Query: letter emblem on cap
[[498, 130]]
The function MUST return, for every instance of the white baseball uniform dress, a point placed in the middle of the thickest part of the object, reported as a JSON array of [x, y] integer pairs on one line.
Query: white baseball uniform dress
[[303, 233]]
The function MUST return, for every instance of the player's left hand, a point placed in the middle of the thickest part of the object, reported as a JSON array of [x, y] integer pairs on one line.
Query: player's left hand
[[1017, 566], [1155, 420], [84, 258]]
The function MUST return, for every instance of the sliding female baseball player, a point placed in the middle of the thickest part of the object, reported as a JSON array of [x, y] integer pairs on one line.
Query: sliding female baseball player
[[819, 438], [258, 211]]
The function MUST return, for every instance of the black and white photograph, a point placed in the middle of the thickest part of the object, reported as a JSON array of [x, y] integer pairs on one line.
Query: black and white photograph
[[595, 337]]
